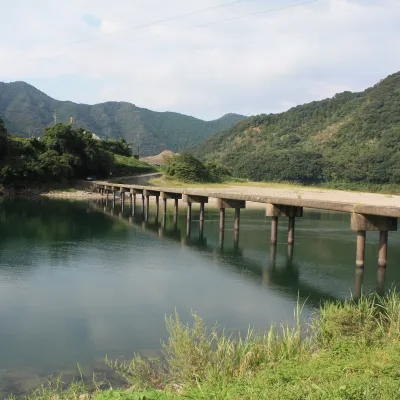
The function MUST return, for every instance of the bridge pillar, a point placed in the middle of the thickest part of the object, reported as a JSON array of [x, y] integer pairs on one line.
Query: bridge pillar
[[363, 223], [278, 210], [176, 212], [189, 199], [222, 204]]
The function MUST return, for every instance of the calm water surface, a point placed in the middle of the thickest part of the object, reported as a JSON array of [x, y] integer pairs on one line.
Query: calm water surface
[[77, 283]]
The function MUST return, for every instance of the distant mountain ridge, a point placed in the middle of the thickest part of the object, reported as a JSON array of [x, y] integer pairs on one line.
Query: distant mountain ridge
[[26, 110], [351, 137]]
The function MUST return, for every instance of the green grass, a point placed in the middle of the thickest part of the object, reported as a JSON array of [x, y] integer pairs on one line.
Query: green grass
[[125, 166], [350, 350]]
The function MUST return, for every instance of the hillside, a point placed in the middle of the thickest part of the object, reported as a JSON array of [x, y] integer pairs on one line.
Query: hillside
[[24, 108], [352, 137]]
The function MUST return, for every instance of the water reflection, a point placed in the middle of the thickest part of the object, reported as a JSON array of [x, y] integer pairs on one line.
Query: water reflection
[[284, 277]]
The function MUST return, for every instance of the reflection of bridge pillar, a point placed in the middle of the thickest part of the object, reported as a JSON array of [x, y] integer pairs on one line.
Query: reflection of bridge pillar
[[290, 251], [278, 210], [364, 222], [272, 254], [164, 206], [236, 239], [221, 239], [201, 228]]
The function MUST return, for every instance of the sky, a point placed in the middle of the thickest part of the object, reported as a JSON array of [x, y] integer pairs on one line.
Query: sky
[[203, 58]]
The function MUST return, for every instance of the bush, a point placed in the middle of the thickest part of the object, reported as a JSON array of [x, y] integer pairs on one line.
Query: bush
[[186, 168]]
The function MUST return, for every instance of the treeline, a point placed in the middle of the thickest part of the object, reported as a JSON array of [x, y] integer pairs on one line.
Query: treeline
[[61, 154], [352, 137]]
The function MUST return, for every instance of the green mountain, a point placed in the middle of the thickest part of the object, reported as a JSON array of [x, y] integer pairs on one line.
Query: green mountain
[[26, 110], [352, 137]]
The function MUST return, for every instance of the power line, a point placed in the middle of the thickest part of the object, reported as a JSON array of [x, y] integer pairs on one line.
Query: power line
[[287, 6], [256, 13], [163, 21]]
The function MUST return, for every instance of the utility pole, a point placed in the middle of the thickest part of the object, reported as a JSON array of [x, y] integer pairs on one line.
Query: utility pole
[[55, 117], [138, 146]]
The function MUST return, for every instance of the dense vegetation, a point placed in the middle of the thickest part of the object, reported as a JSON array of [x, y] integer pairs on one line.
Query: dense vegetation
[[350, 350], [187, 168], [24, 108], [352, 137], [61, 154]]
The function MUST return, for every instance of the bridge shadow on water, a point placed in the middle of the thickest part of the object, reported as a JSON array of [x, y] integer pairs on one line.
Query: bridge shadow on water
[[282, 275]]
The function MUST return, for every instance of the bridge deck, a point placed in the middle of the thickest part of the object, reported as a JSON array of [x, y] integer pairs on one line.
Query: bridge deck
[[331, 200]]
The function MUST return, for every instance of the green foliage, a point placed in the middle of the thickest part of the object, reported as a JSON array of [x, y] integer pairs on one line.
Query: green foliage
[[24, 107], [120, 147], [64, 153], [350, 138], [186, 168]]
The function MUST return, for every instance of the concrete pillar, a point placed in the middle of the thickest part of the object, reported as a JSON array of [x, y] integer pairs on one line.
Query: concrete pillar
[[114, 194], [189, 211], [157, 207], [188, 229], [107, 193], [360, 252], [383, 245], [176, 212], [201, 212], [222, 204], [221, 219], [147, 208], [143, 204], [278, 210], [364, 222], [134, 199], [274, 230], [237, 219], [131, 200]]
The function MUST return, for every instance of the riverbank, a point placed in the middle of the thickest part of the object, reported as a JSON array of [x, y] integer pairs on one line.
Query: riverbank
[[350, 350]]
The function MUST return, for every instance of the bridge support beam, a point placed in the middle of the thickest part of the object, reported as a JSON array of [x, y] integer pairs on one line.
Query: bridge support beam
[[223, 204], [278, 210], [363, 223], [189, 199]]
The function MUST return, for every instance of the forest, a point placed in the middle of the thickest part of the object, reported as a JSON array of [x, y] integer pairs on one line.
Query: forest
[[62, 154], [350, 138]]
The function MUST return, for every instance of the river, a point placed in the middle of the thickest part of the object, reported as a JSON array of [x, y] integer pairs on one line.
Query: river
[[77, 283]]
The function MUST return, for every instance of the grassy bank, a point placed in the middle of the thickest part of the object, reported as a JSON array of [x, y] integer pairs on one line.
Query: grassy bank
[[350, 350]]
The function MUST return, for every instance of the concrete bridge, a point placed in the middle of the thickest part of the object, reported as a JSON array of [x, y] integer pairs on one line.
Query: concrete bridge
[[365, 216]]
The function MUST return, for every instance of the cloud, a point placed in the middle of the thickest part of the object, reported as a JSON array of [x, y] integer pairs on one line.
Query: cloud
[[207, 63]]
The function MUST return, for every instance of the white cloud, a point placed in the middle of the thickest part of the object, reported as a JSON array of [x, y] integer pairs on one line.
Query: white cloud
[[250, 65]]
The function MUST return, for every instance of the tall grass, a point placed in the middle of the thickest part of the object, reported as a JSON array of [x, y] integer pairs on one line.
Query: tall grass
[[351, 350]]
